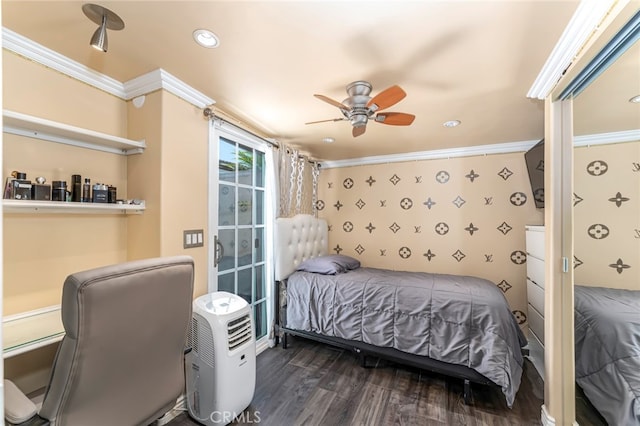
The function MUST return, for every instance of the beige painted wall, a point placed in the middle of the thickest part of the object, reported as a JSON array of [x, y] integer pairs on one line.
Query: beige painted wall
[[171, 176], [41, 250], [143, 171], [184, 182], [363, 207], [607, 215], [33, 89]]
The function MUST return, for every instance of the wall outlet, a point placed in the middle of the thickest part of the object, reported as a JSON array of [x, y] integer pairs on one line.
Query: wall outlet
[[192, 238]]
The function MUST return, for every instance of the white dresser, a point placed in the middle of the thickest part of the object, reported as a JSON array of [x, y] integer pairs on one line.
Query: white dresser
[[535, 295]]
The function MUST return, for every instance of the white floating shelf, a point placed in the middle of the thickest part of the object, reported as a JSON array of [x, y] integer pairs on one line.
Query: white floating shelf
[[32, 206], [34, 127]]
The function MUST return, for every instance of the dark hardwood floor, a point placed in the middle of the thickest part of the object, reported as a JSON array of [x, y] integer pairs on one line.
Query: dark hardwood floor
[[314, 384]]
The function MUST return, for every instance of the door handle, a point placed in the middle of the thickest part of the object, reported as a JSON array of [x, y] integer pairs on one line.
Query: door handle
[[219, 251]]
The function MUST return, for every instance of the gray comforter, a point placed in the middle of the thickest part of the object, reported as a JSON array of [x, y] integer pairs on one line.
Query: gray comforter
[[456, 319], [607, 341]]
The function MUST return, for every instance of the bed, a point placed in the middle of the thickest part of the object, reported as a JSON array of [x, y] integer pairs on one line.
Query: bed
[[460, 326], [607, 350]]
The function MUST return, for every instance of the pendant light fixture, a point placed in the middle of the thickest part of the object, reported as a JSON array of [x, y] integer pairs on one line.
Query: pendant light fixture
[[106, 19]]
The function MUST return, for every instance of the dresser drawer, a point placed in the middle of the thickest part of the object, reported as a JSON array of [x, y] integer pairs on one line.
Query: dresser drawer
[[535, 270], [536, 323], [534, 236], [535, 296]]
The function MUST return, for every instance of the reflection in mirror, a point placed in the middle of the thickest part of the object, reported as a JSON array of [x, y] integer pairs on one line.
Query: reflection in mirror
[[607, 245]]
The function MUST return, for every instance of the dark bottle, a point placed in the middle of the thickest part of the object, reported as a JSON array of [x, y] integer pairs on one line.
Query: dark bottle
[[112, 194], [76, 188], [86, 191], [59, 190]]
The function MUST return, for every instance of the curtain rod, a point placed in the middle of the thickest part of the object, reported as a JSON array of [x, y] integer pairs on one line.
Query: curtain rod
[[210, 115]]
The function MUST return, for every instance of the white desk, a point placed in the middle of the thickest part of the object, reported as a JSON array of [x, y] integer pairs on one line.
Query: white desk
[[30, 330]]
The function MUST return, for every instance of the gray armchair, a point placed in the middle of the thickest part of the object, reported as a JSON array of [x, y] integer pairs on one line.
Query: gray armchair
[[121, 361]]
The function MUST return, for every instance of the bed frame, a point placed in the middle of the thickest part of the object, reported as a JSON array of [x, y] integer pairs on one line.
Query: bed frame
[[302, 237]]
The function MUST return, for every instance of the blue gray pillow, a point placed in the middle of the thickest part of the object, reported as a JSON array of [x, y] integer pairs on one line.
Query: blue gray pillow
[[329, 265]]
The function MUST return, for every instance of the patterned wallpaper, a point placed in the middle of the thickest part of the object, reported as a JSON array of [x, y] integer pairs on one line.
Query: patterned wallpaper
[[461, 216], [607, 215]]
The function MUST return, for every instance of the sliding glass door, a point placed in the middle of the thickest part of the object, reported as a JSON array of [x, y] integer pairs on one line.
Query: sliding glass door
[[239, 219]]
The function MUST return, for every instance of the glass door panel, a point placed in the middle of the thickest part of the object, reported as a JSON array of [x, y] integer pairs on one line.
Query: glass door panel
[[245, 251], [227, 241], [240, 240], [245, 204], [226, 204]]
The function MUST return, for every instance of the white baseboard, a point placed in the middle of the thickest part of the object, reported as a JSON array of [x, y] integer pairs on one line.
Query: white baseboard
[[263, 345], [546, 418], [179, 408]]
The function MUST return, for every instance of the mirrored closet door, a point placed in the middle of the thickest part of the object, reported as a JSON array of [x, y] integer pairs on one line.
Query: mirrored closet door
[[606, 200]]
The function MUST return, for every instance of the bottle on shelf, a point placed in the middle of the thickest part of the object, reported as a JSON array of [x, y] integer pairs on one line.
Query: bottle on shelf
[[112, 194], [76, 188], [59, 190], [86, 191]]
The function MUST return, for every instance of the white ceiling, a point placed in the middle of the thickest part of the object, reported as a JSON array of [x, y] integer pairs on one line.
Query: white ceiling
[[468, 60]]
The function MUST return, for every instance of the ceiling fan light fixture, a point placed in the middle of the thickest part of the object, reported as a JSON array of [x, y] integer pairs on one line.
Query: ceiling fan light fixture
[[452, 123], [106, 19], [206, 38], [635, 99]]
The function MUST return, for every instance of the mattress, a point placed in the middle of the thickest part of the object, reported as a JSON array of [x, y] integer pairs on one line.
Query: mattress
[[456, 319], [607, 346]]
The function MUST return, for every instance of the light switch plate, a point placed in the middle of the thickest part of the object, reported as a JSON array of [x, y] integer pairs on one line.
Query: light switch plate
[[192, 238]]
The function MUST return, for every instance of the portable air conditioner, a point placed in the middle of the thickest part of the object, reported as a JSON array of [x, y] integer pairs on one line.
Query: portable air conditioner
[[221, 367]]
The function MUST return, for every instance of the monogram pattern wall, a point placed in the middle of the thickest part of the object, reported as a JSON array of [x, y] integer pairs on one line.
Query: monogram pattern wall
[[461, 216], [607, 215]]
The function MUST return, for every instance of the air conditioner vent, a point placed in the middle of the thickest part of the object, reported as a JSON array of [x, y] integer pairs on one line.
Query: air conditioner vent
[[192, 337], [239, 331], [203, 336]]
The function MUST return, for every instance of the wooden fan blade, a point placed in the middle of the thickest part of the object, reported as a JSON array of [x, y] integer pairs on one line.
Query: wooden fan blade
[[357, 131], [395, 118], [331, 101], [386, 98], [324, 121]]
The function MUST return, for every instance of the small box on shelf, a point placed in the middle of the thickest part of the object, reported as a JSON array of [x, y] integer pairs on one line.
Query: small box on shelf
[[41, 192]]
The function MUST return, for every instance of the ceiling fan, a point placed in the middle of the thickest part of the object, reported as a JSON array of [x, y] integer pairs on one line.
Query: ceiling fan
[[359, 107]]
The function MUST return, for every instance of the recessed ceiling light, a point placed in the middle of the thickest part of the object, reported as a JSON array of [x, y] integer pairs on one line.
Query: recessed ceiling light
[[206, 38], [635, 99], [451, 123], [328, 140]]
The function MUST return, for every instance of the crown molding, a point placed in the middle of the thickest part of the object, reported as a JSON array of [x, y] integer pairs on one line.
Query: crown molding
[[160, 79], [500, 148], [147, 83], [492, 149], [616, 47], [38, 53], [583, 23], [607, 138]]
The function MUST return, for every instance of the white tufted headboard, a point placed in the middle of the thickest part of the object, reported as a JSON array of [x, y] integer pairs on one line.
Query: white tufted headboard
[[297, 239]]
